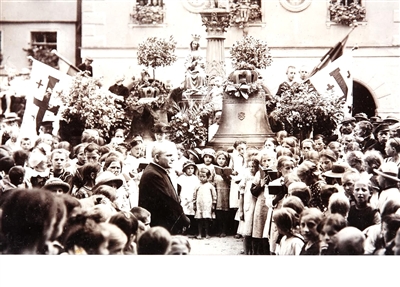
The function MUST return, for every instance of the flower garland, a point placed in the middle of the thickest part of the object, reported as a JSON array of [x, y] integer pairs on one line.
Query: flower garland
[[347, 14]]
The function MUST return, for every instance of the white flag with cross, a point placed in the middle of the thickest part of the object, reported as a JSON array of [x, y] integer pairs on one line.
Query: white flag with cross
[[43, 103], [336, 78]]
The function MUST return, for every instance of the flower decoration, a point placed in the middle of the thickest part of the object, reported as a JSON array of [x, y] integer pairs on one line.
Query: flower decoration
[[187, 126], [242, 89], [156, 52], [143, 14], [250, 53], [44, 55], [346, 14], [88, 104], [303, 109]]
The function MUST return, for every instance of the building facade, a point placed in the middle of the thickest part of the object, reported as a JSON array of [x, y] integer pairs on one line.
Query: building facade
[[35, 28], [298, 32]]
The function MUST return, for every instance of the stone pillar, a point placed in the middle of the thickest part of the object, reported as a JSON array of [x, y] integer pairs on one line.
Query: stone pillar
[[216, 21]]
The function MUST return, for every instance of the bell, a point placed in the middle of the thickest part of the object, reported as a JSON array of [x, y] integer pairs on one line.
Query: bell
[[242, 119]]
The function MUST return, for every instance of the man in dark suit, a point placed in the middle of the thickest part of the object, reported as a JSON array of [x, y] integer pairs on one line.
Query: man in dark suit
[[157, 193]]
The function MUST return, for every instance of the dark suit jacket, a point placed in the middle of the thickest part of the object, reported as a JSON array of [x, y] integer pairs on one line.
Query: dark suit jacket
[[157, 194]]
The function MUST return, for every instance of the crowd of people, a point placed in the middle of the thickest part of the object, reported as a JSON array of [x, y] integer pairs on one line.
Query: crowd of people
[[288, 197]]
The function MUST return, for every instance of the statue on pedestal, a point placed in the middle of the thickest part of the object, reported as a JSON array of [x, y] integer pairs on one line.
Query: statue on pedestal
[[195, 76]]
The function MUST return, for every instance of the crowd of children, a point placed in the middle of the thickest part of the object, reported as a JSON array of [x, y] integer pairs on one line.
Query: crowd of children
[[315, 197]]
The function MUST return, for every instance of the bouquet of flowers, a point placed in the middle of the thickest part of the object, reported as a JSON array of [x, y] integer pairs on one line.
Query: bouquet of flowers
[[302, 110], [346, 14], [250, 53], [187, 126], [93, 107]]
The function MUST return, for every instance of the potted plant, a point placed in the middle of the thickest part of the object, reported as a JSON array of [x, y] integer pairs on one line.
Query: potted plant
[[346, 14], [303, 110], [87, 106], [156, 52], [248, 54]]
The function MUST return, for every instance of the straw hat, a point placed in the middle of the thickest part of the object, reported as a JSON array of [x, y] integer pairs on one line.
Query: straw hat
[[56, 182], [208, 151], [188, 163], [389, 170], [329, 154], [11, 117], [337, 170], [35, 158], [391, 120], [108, 177]]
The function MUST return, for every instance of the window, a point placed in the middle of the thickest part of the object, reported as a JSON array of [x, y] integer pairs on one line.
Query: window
[[245, 12], [44, 39], [346, 12], [42, 43], [148, 12]]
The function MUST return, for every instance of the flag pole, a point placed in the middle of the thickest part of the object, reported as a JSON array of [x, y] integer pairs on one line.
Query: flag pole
[[65, 60], [327, 55]]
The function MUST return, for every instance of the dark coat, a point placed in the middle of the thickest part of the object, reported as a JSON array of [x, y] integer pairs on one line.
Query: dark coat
[[157, 194]]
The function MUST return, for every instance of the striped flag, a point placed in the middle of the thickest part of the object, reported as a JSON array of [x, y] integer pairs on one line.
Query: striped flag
[[337, 78], [71, 69], [43, 103], [333, 54]]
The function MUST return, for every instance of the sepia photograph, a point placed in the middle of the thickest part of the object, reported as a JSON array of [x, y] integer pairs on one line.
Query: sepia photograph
[[268, 128]]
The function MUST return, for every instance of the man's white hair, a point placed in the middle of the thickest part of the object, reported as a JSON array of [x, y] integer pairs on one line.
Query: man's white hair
[[163, 147]]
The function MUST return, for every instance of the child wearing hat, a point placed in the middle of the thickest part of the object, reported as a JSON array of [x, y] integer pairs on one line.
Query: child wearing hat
[[39, 171], [208, 157], [388, 181], [188, 182], [56, 185]]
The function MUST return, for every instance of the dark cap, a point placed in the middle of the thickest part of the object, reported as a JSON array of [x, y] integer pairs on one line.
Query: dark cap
[[381, 127], [375, 119], [361, 117], [46, 123]]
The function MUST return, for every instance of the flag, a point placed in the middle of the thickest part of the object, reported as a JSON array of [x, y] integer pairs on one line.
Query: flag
[[333, 54], [70, 68], [337, 78], [43, 103]]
